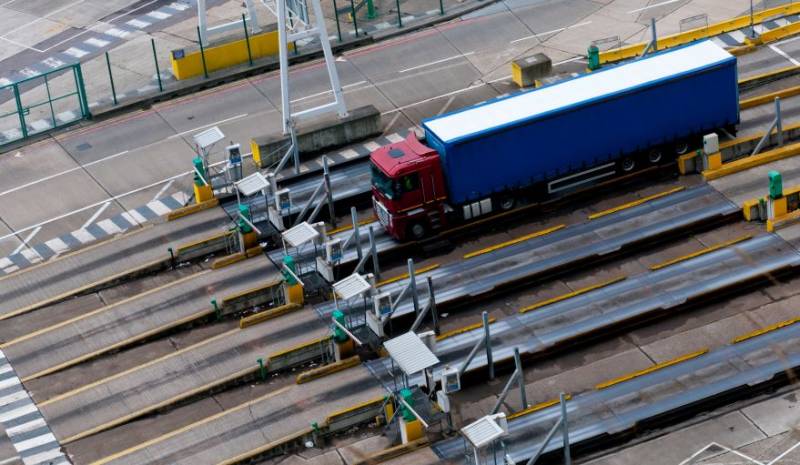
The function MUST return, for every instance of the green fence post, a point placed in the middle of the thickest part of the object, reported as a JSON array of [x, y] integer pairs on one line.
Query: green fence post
[[50, 100], [217, 311], [155, 60], [111, 78], [441, 6], [370, 9], [399, 15], [247, 40], [202, 52], [22, 126], [262, 370], [82, 92], [353, 14], [338, 27]]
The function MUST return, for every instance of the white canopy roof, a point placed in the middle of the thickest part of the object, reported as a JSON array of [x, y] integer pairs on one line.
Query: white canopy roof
[[537, 102]]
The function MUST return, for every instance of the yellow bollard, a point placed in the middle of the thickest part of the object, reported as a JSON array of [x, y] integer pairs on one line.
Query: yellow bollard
[[294, 294], [715, 161], [411, 430], [203, 193]]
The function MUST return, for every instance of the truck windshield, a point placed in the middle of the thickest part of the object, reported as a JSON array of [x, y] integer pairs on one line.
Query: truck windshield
[[383, 183]]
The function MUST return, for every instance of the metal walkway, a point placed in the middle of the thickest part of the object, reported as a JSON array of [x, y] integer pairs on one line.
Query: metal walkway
[[239, 430], [119, 398], [564, 248], [89, 267], [144, 315], [605, 309], [622, 407]]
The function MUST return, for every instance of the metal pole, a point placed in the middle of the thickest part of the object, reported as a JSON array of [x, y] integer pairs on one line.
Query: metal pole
[[356, 235], [155, 60], [653, 32], [471, 355], [441, 6], [523, 397], [432, 305], [328, 191], [82, 91], [295, 148], [779, 121], [338, 27], [373, 250], [488, 341], [202, 25], [284, 72], [752, 26], [399, 15], [21, 112], [111, 78], [412, 281], [202, 53], [547, 440], [353, 13], [50, 100], [247, 40], [504, 393], [565, 428]]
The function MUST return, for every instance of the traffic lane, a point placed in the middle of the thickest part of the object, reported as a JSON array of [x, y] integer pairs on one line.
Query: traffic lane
[[758, 119], [760, 61], [24, 168]]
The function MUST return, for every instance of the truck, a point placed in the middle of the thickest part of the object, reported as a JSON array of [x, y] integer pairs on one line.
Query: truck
[[554, 140]]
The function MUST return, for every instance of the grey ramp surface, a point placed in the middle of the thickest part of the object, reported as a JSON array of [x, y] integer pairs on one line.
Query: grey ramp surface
[[272, 417], [131, 319], [65, 275], [168, 378]]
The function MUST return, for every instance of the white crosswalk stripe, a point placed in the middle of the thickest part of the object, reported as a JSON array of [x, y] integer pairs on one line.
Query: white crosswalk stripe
[[95, 42], [53, 62], [158, 207], [395, 137], [83, 236], [138, 23], [76, 52], [120, 33], [158, 15]]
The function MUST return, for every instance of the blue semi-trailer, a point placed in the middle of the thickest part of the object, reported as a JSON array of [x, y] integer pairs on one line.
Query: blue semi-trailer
[[554, 139]]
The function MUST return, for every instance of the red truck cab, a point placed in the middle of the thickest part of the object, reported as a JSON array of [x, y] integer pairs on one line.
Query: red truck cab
[[408, 190]]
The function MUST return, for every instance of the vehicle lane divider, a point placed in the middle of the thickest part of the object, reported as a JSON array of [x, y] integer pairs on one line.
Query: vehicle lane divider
[[325, 370], [758, 100], [524, 238], [651, 369], [228, 260], [773, 75], [700, 252], [463, 329], [746, 163], [569, 295], [188, 427], [537, 407], [403, 276], [191, 209], [635, 203], [348, 227], [271, 314], [764, 330]]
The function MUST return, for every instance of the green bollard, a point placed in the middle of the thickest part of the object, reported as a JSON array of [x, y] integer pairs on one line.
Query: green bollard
[[407, 396], [775, 185], [171, 257], [217, 310], [199, 168], [371, 10], [244, 211], [339, 335], [262, 370], [594, 57], [288, 261]]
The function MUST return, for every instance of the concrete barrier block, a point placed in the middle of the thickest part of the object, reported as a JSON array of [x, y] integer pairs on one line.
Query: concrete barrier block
[[361, 123], [525, 71]]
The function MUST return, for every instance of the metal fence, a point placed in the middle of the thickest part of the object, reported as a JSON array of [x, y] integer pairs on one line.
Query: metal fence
[[42, 102], [356, 18]]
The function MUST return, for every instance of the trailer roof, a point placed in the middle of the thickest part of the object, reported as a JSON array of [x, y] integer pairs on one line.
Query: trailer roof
[[475, 120]]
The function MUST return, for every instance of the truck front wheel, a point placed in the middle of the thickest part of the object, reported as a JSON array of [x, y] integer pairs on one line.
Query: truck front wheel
[[654, 156], [417, 231], [627, 164]]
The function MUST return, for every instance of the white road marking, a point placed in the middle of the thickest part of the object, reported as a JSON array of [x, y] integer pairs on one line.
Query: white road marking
[[40, 125], [96, 214], [395, 137], [29, 23], [569, 60], [44, 456], [177, 6], [163, 189], [53, 62], [5, 262], [319, 94], [137, 217], [158, 207], [25, 427], [554, 31], [119, 33], [26, 240], [57, 245], [348, 154], [784, 54], [20, 44], [66, 116], [95, 42], [226, 120], [138, 23], [83, 236], [5, 369], [654, 5], [19, 395], [109, 226], [5, 81], [34, 442], [443, 60], [27, 72], [76, 52], [4, 384], [31, 255], [158, 15], [372, 146]]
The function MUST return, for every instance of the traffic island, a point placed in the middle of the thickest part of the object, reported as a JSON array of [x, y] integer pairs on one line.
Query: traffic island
[[359, 124]]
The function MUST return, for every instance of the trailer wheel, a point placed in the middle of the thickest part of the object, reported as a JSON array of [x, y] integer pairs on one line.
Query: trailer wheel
[[681, 147], [628, 164], [417, 231], [654, 156], [507, 203]]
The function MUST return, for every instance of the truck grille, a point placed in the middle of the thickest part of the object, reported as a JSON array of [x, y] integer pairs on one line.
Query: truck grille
[[383, 214]]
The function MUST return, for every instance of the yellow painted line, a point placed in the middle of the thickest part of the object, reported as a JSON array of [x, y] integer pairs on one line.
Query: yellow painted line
[[359, 406], [236, 258], [635, 203], [126, 418], [327, 370], [252, 320], [537, 407], [569, 295], [191, 209], [183, 247], [300, 346], [418, 272], [754, 137], [136, 368], [463, 329], [253, 290], [746, 163], [42, 303], [651, 369], [524, 238], [183, 429], [347, 227], [769, 75], [101, 310], [768, 98], [258, 450], [700, 252], [764, 330], [128, 341]]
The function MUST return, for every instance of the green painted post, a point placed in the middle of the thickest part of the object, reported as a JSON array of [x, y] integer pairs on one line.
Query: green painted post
[[338, 27], [202, 52], [441, 6], [353, 14], [339, 335], [111, 78], [775, 185], [399, 15], [155, 60], [288, 262], [247, 40], [23, 127], [370, 10], [50, 100], [217, 310], [171, 257], [262, 370], [82, 92], [594, 57]]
